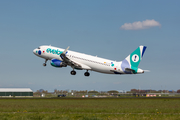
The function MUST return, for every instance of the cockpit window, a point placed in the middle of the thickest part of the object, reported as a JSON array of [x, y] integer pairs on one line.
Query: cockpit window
[[38, 47]]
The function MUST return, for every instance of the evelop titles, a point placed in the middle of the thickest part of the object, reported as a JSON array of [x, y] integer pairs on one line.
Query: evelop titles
[[54, 51]]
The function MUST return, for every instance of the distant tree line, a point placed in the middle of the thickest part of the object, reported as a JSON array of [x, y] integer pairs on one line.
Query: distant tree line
[[153, 91], [41, 91]]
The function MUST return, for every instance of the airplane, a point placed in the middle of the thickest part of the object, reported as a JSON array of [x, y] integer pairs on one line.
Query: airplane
[[64, 57]]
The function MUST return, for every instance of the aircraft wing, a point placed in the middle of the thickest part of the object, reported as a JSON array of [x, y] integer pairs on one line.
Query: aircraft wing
[[72, 63]]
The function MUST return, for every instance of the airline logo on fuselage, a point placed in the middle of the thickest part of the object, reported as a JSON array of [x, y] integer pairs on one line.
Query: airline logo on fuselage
[[54, 51]]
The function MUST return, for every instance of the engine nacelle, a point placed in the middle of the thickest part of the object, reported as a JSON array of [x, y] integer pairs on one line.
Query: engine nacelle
[[58, 63]]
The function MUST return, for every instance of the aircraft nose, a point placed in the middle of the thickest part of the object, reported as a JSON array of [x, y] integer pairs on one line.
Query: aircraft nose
[[34, 51]]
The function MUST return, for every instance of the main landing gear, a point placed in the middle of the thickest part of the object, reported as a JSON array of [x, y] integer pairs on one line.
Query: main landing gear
[[44, 64], [73, 72], [86, 74]]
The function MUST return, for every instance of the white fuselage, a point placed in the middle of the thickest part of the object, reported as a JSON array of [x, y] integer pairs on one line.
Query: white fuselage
[[87, 62], [95, 63]]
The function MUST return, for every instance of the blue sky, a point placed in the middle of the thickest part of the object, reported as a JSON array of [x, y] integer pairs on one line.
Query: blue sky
[[91, 27]]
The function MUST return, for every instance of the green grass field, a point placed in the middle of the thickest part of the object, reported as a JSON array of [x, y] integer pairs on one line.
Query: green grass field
[[90, 109]]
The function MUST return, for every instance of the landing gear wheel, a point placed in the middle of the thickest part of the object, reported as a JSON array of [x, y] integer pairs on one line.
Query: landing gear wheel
[[86, 73], [44, 64], [73, 72]]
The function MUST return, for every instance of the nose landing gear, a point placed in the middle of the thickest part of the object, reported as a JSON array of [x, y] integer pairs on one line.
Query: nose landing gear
[[44, 64]]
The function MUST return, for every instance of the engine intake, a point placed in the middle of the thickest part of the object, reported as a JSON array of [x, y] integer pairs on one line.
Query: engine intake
[[58, 63]]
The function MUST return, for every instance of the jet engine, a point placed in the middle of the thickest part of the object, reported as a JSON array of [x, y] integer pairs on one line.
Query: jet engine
[[58, 63]]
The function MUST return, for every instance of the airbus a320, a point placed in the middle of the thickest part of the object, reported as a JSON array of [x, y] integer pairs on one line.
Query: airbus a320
[[64, 57]]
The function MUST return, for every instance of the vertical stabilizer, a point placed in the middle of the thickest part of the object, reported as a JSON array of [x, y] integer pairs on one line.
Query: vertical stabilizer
[[132, 61]]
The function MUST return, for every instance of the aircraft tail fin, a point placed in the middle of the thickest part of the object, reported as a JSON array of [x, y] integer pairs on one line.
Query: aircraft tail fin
[[132, 61]]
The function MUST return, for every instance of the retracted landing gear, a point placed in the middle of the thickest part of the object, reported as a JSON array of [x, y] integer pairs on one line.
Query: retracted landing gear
[[86, 73], [73, 72], [44, 64]]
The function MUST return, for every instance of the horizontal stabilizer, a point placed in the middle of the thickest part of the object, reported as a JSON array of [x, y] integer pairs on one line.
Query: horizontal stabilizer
[[146, 70], [129, 70]]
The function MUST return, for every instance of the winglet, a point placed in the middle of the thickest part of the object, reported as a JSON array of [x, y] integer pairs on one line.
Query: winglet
[[64, 52], [62, 55]]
